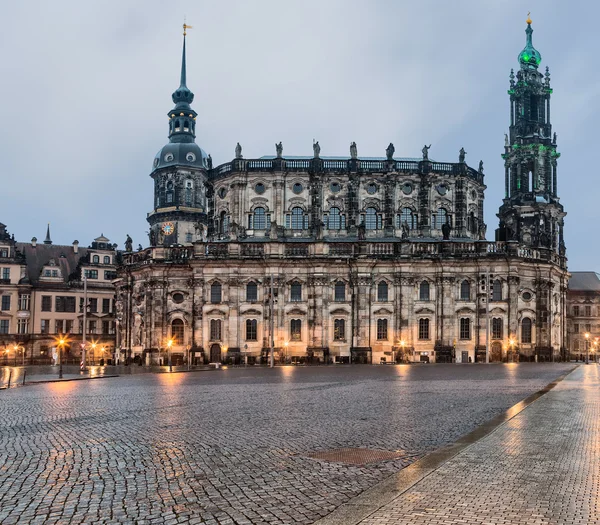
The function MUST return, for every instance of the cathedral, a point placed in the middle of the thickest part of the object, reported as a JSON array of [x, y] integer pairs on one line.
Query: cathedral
[[350, 259]]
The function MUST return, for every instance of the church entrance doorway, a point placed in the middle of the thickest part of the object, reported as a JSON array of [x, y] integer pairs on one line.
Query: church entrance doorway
[[496, 353], [215, 353]]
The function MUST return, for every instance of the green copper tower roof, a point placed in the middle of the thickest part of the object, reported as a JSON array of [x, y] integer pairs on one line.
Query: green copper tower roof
[[530, 57]]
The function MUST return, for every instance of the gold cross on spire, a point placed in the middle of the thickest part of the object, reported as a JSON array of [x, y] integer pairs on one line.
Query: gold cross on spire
[[185, 27], [528, 18]]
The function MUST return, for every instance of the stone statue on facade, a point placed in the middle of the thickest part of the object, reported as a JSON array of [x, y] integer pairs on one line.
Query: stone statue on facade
[[461, 155], [389, 152], [482, 231], [273, 230], [238, 151], [446, 228], [152, 237], [320, 228], [139, 249], [425, 152], [279, 150], [128, 244], [506, 144], [405, 230], [480, 166], [554, 138], [209, 162], [353, 151], [361, 231], [316, 149]]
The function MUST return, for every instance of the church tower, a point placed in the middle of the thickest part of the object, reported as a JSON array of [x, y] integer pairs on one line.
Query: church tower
[[179, 174], [531, 212]]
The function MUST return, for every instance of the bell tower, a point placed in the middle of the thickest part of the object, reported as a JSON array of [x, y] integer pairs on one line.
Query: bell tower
[[531, 212]]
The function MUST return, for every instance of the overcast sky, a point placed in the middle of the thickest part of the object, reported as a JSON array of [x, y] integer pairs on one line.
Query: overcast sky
[[86, 87]]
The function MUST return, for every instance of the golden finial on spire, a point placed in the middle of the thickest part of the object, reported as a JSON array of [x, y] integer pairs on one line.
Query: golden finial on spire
[[528, 19], [185, 27]]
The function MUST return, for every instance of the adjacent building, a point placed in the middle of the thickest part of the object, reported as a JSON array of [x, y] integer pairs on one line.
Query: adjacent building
[[583, 322], [351, 258], [42, 296]]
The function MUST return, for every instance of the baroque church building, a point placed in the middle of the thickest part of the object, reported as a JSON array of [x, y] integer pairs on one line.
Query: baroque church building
[[351, 259]]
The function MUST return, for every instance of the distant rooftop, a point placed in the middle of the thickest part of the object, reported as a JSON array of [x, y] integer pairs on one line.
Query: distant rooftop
[[308, 157], [584, 282]]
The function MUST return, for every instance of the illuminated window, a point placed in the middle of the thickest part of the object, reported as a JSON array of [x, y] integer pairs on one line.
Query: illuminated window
[[296, 330], [339, 330]]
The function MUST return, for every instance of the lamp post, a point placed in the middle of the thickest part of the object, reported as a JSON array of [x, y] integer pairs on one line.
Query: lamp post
[[285, 346], [402, 344], [511, 343], [16, 348], [94, 345], [61, 344], [169, 345], [587, 348]]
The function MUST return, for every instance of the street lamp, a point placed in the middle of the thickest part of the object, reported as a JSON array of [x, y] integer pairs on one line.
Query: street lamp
[[169, 345], [402, 344], [285, 346], [511, 343], [94, 345], [61, 341], [587, 348], [16, 348]]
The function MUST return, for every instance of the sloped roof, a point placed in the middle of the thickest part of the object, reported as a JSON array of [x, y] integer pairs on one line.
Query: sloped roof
[[585, 281], [38, 256]]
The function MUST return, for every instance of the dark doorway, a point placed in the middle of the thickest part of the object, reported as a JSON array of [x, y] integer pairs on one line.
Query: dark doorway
[[496, 354], [215, 353]]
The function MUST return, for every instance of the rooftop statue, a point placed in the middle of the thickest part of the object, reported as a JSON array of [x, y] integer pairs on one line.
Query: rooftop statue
[[389, 152], [353, 151], [279, 150], [480, 166], [506, 140], [461, 155], [316, 149], [209, 162], [425, 151], [128, 244], [238, 151]]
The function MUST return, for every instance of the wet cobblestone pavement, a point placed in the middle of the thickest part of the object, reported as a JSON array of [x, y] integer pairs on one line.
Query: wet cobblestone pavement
[[231, 446]]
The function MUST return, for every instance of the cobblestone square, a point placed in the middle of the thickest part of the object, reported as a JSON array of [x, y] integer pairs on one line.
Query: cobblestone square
[[232, 446]]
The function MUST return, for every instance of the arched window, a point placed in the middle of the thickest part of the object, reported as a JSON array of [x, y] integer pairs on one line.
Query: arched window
[[106, 259], [340, 291], [95, 259], [423, 329], [382, 329], [251, 330], [424, 291], [407, 216], [526, 330], [336, 221], [439, 218], [215, 329], [497, 290], [251, 292], [372, 219], [497, 326], [258, 220], [223, 223], [298, 220], [465, 328], [339, 330], [215, 293], [295, 330], [465, 291], [188, 196], [382, 291], [177, 331]]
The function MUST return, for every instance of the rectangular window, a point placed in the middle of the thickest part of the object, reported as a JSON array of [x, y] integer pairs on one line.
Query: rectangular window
[[93, 305], [3, 326], [105, 327], [91, 274], [6, 274], [251, 292], [497, 328], [423, 329], [215, 330], [465, 291], [296, 292], [105, 306], [64, 304], [576, 311], [68, 326], [296, 330], [588, 328], [339, 330], [24, 301], [382, 329], [5, 302], [46, 303], [496, 290], [588, 311], [23, 326], [575, 328], [110, 275], [45, 326], [465, 328], [251, 329], [3, 252], [340, 292], [92, 327], [58, 326]]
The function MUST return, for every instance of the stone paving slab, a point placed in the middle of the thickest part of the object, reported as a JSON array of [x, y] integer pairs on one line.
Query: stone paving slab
[[540, 467]]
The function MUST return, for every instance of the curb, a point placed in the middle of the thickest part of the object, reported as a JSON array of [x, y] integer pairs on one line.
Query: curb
[[361, 507]]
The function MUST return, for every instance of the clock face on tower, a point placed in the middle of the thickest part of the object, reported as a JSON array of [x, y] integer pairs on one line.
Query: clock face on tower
[[168, 228]]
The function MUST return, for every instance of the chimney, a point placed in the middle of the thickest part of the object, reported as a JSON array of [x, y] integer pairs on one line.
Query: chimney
[[75, 246], [34, 242]]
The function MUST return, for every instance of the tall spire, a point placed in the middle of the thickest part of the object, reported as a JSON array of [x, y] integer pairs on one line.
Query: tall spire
[[48, 240], [530, 57], [182, 118]]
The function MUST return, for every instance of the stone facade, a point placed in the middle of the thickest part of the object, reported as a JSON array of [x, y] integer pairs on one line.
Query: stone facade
[[583, 307], [368, 259], [42, 296]]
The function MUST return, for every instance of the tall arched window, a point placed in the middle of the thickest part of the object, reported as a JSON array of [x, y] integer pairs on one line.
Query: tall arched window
[[251, 329], [372, 219], [526, 330], [215, 293], [188, 193], [251, 292], [258, 220], [215, 330], [423, 328], [382, 291], [382, 329], [298, 220], [340, 291], [407, 216], [497, 328], [465, 291], [424, 291], [439, 218], [336, 221], [497, 290], [223, 223], [95, 259], [339, 330], [177, 331]]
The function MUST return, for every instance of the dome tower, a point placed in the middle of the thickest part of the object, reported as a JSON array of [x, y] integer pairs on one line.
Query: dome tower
[[179, 173]]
